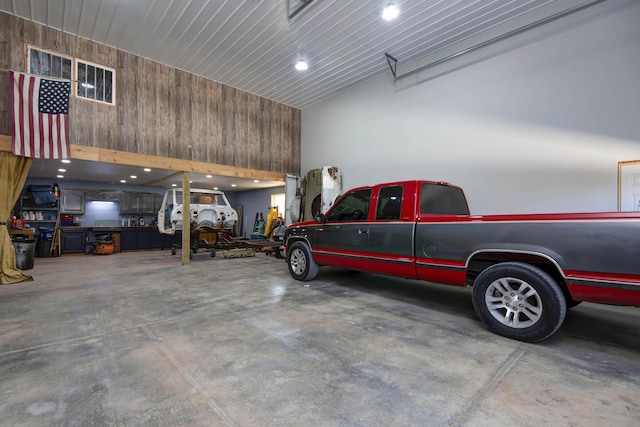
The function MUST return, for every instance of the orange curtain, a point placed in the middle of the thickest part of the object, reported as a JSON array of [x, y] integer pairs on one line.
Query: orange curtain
[[13, 174]]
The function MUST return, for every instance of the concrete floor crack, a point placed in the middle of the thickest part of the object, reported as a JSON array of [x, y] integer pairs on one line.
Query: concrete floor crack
[[212, 404], [495, 379]]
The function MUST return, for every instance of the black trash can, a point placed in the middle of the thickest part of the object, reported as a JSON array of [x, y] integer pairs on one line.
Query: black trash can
[[25, 250], [43, 248]]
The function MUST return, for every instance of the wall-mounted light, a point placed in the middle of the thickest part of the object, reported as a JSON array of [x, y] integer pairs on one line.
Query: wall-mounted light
[[302, 65], [390, 12]]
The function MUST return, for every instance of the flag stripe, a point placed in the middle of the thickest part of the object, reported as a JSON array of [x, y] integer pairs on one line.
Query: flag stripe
[[40, 122]]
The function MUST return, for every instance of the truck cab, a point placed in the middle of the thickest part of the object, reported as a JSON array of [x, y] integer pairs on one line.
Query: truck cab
[[372, 228], [209, 209]]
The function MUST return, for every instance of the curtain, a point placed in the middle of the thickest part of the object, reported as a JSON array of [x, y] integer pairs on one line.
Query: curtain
[[13, 174]]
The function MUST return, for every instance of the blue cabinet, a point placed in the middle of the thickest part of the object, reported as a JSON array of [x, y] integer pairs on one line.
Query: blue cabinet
[[129, 239], [72, 240], [138, 238]]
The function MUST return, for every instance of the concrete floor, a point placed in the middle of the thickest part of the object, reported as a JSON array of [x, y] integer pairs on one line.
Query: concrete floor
[[137, 339]]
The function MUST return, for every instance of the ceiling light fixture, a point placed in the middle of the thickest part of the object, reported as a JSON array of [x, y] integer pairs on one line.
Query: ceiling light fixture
[[62, 170], [65, 161], [174, 185], [233, 185], [147, 170], [215, 188], [133, 176], [123, 181], [209, 176], [60, 176], [390, 12], [256, 181], [302, 65]]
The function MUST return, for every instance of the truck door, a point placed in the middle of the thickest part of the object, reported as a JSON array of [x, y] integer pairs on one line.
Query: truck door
[[343, 239], [391, 234]]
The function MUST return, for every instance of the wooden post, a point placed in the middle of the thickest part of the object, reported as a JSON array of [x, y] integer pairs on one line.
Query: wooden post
[[186, 218]]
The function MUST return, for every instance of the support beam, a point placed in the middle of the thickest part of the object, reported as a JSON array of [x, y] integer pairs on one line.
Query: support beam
[[81, 152], [186, 218]]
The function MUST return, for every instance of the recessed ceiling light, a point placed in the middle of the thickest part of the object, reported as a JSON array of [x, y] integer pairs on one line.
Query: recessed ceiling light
[[233, 185], [174, 185], [65, 161], [215, 188], [123, 181], [256, 181], [301, 65], [209, 176], [133, 176], [147, 170], [62, 170], [390, 12], [60, 176]]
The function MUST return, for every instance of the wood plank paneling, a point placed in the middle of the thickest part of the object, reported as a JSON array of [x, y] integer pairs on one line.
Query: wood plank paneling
[[161, 111]]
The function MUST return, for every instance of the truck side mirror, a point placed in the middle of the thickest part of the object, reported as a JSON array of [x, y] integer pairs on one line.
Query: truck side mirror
[[320, 218]]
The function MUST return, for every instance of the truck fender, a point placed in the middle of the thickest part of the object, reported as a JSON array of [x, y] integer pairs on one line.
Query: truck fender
[[485, 256]]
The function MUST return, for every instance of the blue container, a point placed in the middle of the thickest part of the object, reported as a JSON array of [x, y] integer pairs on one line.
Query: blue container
[[46, 234]]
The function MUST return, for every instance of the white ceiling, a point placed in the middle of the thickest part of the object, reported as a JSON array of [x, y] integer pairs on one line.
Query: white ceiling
[[252, 45]]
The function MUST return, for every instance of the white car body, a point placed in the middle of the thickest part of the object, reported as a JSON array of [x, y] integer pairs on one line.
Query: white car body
[[209, 209]]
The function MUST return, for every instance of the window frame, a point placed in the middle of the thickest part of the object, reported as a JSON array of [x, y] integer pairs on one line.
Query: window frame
[[396, 194], [77, 63], [28, 62]]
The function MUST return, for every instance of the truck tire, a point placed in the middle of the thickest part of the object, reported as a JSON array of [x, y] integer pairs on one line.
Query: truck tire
[[301, 264], [519, 301]]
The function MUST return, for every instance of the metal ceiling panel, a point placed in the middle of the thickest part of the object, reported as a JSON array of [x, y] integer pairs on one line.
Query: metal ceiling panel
[[251, 45]]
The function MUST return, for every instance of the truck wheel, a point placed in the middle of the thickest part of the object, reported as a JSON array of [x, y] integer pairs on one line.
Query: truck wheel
[[301, 264], [519, 301]]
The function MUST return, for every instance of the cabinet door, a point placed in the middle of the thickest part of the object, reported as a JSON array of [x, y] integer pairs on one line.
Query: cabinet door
[[142, 238], [72, 241], [129, 241], [157, 202], [146, 204], [129, 203], [155, 238], [72, 202]]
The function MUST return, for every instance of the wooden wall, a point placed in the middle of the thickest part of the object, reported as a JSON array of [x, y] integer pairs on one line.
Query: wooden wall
[[160, 111]]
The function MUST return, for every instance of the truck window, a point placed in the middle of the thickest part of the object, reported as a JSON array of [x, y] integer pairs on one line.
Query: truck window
[[442, 199], [389, 203], [353, 207]]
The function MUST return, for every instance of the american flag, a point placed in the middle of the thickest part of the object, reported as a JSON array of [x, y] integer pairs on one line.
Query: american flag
[[40, 116]]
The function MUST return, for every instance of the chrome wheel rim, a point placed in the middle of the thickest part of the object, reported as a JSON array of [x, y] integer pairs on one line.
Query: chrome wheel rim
[[513, 302], [298, 261]]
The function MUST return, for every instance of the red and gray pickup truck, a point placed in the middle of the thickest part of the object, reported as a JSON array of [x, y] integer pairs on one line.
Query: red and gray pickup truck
[[524, 270]]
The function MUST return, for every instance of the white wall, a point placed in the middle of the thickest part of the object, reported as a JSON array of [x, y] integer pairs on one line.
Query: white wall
[[537, 123]]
